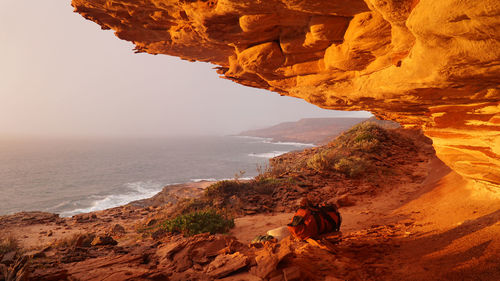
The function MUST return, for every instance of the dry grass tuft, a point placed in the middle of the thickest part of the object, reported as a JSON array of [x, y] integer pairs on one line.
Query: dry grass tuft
[[8, 244]]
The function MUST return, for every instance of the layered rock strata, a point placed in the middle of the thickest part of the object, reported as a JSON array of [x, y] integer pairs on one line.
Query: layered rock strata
[[431, 64]]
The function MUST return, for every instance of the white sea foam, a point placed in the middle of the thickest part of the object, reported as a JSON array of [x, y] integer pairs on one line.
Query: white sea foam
[[207, 179], [222, 179], [252, 138], [270, 141], [268, 154], [136, 191], [299, 144]]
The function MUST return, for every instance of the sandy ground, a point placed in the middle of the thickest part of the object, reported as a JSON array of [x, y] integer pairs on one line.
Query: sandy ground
[[444, 229]]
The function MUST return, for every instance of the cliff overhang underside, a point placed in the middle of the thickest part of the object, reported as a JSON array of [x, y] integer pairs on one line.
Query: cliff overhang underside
[[428, 64]]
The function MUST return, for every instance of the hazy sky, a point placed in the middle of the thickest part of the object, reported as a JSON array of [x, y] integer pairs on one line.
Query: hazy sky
[[61, 75]]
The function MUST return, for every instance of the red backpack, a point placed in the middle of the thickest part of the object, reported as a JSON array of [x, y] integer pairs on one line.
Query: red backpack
[[311, 221]]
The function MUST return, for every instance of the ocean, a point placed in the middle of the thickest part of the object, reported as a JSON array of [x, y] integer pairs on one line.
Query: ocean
[[76, 176]]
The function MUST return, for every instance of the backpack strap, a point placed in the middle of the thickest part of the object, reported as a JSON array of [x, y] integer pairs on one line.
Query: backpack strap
[[327, 217], [333, 208], [296, 221], [317, 219]]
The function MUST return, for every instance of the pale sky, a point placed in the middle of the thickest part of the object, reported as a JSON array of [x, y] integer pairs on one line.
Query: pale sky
[[61, 75]]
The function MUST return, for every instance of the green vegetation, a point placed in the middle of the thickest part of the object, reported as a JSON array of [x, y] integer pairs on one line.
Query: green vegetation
[[207, 221], [225, 189], [225, 195], [199, 222], [366, 137], [211, 211], [354, 154], [349, 153], [351, 166]]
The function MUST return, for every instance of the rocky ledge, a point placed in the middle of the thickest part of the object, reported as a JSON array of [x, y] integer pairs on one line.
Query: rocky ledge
[[435, 65]]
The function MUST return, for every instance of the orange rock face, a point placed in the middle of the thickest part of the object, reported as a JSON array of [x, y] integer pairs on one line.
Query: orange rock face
[[432, 64]]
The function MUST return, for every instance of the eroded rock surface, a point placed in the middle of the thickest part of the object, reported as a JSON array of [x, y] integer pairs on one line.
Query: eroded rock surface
[[431, 64]]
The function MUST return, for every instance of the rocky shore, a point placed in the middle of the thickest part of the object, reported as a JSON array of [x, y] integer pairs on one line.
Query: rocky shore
[[414, 223]]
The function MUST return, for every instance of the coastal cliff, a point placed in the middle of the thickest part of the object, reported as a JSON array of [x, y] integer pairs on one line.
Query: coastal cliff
[[308, 130], [422, 63], [432, 66], [406, 216]]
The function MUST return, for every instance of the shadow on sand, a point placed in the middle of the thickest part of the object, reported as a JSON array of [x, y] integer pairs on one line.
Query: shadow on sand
[[444, 254]]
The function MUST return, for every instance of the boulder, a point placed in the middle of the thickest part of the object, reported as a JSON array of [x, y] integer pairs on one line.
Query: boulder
[[345, 201], [118, 230], [266, 263], [104, 240], [226, 264]]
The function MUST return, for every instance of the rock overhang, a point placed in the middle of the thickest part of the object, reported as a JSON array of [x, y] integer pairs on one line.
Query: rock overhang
[[434, 65]]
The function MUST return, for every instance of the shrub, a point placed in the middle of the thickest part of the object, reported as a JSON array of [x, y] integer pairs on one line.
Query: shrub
[[350, 152], [189, 205], [279, 168], [351, 166], [224, 189], [266, 185], [324, 160], [198, 222], [366, 136], [8, 244]]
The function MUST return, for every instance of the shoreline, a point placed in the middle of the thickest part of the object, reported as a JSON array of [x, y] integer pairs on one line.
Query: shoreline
[[392, 229], [102, 187]]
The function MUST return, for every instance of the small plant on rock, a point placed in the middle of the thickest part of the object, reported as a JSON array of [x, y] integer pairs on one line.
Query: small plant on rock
[[199, 222], [225, 189], [351, 166]]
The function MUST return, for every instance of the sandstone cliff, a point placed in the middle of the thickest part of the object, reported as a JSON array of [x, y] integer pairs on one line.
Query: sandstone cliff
[[431, 64]]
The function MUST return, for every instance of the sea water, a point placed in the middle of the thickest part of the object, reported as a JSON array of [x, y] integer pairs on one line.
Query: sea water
[[75, 176]]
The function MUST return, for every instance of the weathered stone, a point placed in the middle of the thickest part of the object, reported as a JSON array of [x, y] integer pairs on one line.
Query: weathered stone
[[426, 64], [103, 240], [84, 240], [244, 276], [35, 254], [151, 222], [225, 264], [263, 58], [277, 278], [171, 249], [345, 201], [9, 257], [118, 229], [331, 278], [266, 263], [292, 273]]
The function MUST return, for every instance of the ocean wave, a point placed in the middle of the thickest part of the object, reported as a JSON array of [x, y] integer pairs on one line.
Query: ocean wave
[[60, 205], [200, 180], [136, 191], [270, 141], [268, 154], [299, 144], [222, 179], [253, 138]]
